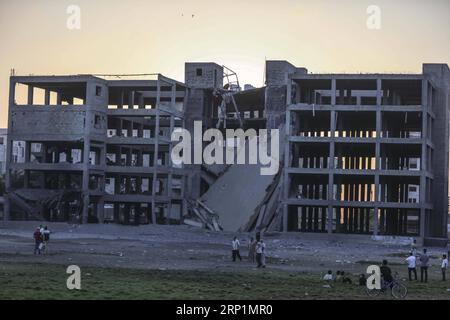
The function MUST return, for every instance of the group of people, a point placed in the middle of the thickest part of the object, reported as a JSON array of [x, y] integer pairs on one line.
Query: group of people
[[386, 273], [424, 260], [340, 276], [256, 251], [41, 239]]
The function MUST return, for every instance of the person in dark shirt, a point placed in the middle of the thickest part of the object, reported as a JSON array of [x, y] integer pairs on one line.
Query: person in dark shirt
[[386, 273], [424, 259], [37, 235]]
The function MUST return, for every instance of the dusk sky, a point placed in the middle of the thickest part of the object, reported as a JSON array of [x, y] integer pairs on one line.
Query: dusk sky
[[138, 36]]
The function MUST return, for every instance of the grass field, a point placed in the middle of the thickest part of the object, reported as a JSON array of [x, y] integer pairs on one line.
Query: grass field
[[44, 281]]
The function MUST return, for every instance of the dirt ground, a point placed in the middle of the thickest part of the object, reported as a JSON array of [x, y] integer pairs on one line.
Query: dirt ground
[[188, 248]]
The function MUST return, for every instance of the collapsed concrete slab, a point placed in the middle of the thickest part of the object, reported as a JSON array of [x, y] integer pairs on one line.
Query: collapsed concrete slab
[[236, 194]]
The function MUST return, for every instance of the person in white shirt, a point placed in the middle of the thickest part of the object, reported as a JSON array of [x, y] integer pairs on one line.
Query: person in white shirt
[[329, 276], [260, 259], [235, 251], [411, 261], [444, 266]]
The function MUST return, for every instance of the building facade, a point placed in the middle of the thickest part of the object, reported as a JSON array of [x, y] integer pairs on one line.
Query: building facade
[[363, 153], [366, 153]]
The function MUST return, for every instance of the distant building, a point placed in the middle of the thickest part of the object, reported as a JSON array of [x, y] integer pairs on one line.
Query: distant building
[[3, 139]]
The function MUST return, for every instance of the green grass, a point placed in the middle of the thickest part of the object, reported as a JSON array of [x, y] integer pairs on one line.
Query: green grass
[[44, 281]]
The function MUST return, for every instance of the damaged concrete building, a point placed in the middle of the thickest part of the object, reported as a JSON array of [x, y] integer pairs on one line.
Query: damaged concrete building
[[95, 150], [361, 153]]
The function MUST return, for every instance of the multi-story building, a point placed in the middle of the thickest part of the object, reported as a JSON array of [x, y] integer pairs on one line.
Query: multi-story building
[[94, 149], [366, 153], [363, 153]]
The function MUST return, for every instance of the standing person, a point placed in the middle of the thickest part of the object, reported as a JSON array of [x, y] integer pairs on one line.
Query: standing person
[[444, 266], [37, 241], [263, 255], [46, 238], [235, 252], [251, 250], [260, 260], [424, 259], [411, 261]]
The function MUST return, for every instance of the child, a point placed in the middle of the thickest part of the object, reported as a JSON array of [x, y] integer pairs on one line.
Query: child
[[444, 266], [362, 279]]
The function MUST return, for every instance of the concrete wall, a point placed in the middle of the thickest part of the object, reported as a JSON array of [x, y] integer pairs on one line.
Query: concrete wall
[[211, 75], [48, 121], [439, 74], [277, 73]]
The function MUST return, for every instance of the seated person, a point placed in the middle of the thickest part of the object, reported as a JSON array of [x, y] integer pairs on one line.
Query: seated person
[[328, 277]]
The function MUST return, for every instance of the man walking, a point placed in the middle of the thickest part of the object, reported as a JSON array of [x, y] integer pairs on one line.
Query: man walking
[[37, 235], [260, 259], [45, 238], [424, 259], [411, 261], [235, 252], [444, 266]]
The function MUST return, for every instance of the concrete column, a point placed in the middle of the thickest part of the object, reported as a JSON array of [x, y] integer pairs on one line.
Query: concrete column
[[377, 158], [120, 103], [424, 158], [85, 191], [30, 95], [333, 91], [130, 99], [331, 168], [141, 101], [6, 206], [86, 163], [287, 157], [170, 176], [155, 158], [47, 97], [59, 99]]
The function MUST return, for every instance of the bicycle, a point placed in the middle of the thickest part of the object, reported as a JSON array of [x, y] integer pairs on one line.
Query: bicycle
[[398, 289]]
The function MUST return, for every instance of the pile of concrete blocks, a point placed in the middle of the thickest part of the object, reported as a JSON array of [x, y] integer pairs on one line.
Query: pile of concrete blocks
[[203, 217]]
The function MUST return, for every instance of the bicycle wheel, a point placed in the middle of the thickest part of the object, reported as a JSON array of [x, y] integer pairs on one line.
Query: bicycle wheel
[[399, 291], [373, 292]]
